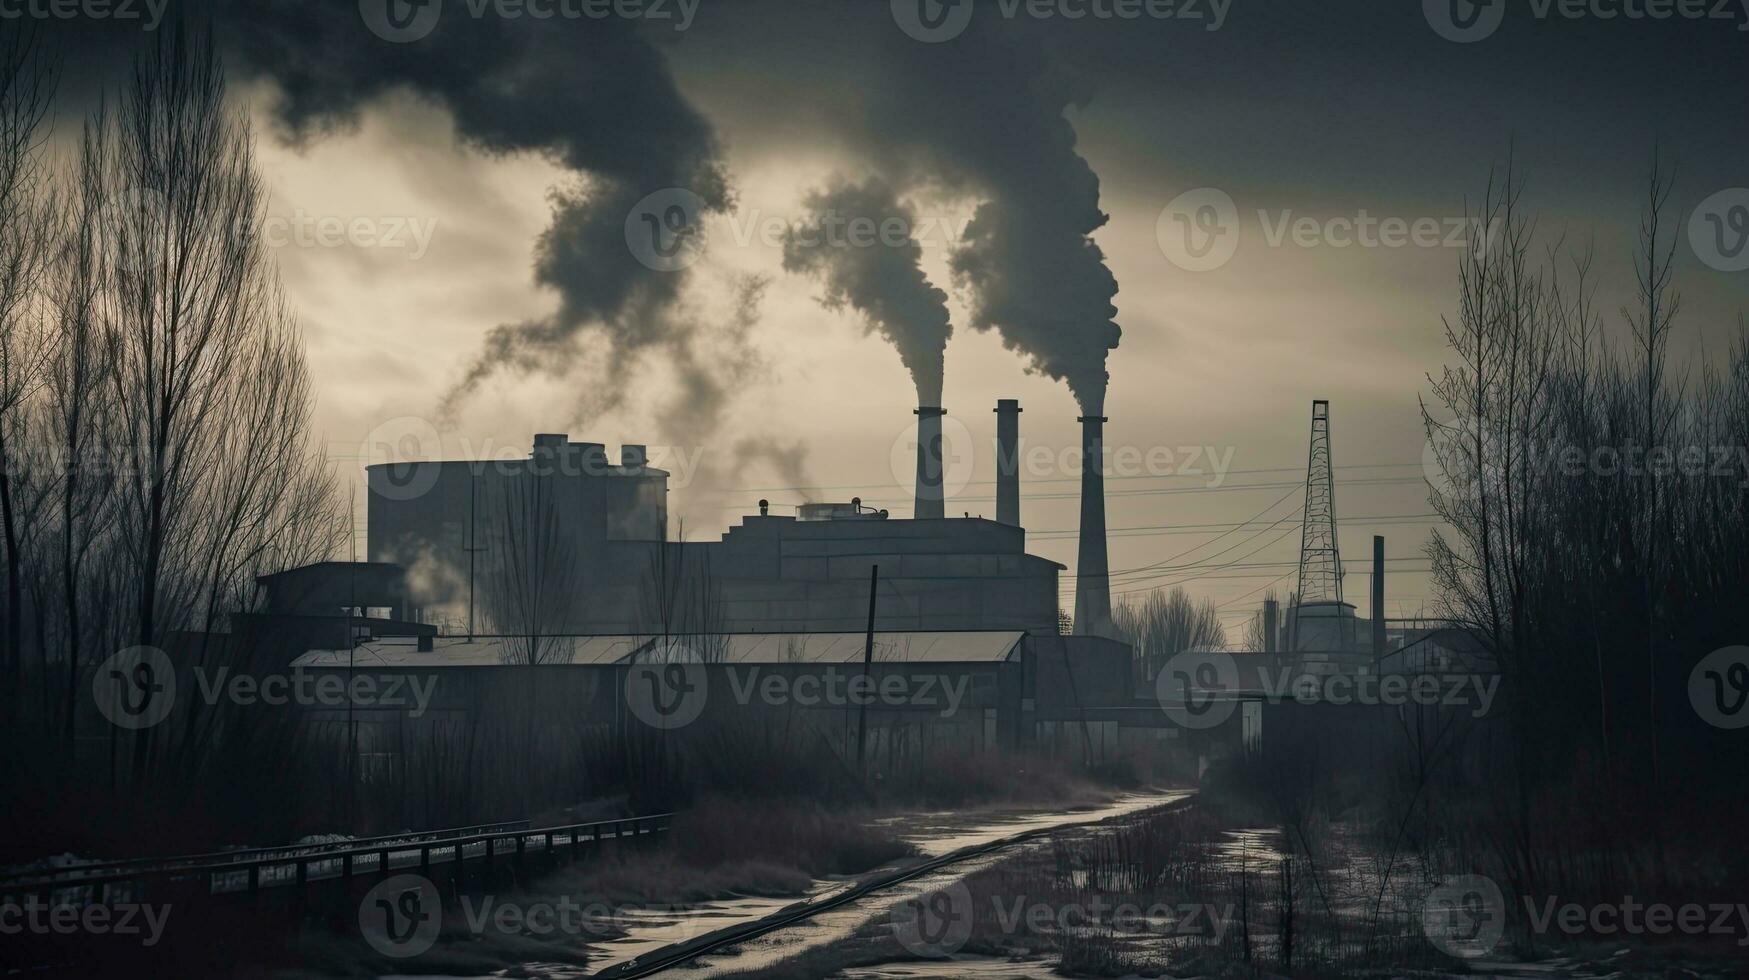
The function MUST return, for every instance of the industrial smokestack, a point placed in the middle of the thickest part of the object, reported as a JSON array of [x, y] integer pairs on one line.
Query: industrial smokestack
[[1378, 595], [1008, 461], [1092, 572], [1271, 613], [929, 495]]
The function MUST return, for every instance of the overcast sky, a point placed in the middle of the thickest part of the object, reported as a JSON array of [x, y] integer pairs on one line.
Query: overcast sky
[[441, 153]]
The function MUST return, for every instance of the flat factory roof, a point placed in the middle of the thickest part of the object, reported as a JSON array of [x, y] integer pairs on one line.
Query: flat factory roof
[[923, 646]]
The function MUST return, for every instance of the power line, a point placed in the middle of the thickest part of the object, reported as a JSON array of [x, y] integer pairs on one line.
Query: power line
[[1193, 578], [1156, 491], [1152, 530], [1077, 479], [1257, 516]]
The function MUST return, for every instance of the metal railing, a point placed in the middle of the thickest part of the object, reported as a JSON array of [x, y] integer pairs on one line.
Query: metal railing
[[346, 859], [82, 873]]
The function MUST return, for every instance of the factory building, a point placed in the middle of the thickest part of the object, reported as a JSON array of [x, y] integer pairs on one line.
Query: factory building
[[451, 524]]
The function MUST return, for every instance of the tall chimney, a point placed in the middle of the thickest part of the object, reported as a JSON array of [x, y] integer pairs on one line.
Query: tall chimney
[[1378, 595], [929, 496], [1008, 461], [1271, 608], [1092, 571]]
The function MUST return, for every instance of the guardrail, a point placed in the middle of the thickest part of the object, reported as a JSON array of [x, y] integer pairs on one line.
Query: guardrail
[[81, 873], [343, 860]]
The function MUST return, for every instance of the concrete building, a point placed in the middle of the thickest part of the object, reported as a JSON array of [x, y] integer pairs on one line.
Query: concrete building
[[452, 523]]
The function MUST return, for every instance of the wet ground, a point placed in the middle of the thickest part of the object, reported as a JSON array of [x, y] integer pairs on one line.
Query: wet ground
[[934, 835]]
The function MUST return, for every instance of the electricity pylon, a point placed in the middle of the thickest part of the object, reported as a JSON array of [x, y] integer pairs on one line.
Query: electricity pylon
[[1320, 561]]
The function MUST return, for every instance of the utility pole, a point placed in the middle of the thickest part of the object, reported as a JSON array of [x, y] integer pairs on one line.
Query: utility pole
[[874, 577]]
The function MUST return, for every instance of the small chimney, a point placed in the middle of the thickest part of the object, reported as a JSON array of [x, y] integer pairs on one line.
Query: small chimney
[[633, 457], [1008, 461], [764, 507], [930, 503], [1378, 595], [548, 453], [1092, 571], [593, 458]]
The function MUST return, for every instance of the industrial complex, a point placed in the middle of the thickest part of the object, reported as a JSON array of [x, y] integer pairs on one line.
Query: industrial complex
[[564, 564]]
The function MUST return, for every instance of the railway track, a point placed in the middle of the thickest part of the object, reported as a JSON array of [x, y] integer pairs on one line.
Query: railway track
[[673, 956]]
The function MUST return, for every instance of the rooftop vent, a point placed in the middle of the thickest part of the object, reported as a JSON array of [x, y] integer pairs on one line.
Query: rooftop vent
[[853, 511]]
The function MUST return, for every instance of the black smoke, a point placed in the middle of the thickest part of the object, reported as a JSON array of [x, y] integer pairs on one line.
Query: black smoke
[[985, 114], [594, 96], [982, 118], [858, 240]]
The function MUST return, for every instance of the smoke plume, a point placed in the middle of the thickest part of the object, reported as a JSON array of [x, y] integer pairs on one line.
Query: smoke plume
[[857, 240], [984, 116], [592, 95]]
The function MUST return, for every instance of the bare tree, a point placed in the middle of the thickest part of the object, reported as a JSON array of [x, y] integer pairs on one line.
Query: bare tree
[[190, 285], [535, 576], [682, 604], [27, 84], [1160, 624], [79, 392], [1651, 324], [1598, 526]]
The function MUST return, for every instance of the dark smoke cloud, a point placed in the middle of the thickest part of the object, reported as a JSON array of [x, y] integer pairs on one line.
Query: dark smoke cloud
[[593, 96], [984, 116], [847, 242]]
